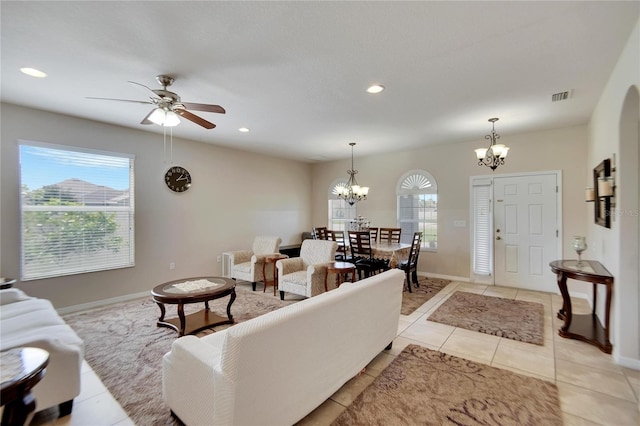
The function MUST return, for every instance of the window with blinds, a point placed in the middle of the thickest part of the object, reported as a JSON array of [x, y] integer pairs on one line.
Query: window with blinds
[[340, 212], [417, 194], [482, 227], [77, 210]]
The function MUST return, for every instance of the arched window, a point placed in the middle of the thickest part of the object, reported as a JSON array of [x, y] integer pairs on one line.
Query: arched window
[[340, 212], [417, 193]]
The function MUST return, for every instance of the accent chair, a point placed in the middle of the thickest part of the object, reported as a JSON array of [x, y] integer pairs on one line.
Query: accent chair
[[305, 275], [247, 264]]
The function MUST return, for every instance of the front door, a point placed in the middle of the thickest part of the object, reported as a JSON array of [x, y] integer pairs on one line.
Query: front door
[[526, 231]]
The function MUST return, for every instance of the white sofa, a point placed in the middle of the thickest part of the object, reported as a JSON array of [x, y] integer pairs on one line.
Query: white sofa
[[277, 368], [247, 264], [33, 322]]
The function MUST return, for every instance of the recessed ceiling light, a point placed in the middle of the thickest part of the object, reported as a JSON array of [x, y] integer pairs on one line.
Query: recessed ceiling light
[[376, 88], [33, 72], [243, 130]]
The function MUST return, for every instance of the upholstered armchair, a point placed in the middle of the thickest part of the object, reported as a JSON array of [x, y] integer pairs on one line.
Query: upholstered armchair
[[305, 275], [247, 264]]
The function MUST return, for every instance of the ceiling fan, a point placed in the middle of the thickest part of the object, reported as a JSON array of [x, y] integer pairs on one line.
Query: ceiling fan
[[169, 106]]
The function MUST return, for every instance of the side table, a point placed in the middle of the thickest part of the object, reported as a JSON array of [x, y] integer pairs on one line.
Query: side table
[[587, 328], [341, 269], [268, 260], [22, 369]]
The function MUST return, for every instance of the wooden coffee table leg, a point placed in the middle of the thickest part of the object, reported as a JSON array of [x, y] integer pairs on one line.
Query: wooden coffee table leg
[[162, 311], [233, 297], [183, 321]]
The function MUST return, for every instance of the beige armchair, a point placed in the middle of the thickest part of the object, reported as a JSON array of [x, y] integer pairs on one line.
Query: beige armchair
[[247, 264], [305, 275]]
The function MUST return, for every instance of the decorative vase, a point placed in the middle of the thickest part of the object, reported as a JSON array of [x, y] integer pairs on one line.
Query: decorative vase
[[579, 245]]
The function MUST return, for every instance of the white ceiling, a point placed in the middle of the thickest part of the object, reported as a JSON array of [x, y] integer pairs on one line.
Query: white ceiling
[[295, 73]]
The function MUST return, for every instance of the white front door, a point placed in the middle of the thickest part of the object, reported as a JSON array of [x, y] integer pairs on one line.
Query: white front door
[[525, 231]]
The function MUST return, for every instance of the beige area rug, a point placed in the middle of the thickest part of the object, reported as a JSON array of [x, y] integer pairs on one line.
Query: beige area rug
[[512, 319], [124, 347], [425, 387], [429, 287]]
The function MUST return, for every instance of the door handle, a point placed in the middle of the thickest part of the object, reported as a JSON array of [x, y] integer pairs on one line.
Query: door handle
[[498, 237]]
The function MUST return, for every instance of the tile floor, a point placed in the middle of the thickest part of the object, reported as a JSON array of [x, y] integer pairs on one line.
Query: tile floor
[[593, 389]]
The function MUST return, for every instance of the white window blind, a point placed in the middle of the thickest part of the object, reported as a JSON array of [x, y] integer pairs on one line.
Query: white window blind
[[482, 250], [77, 210]]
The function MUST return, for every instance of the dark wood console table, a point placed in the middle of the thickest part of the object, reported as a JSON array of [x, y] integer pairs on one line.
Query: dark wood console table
[[587, 327]]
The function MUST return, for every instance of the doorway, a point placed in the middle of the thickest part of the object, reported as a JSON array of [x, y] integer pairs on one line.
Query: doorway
[[523, 235]]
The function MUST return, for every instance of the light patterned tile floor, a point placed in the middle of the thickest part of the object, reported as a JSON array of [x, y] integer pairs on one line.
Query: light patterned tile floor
[[593, 389]]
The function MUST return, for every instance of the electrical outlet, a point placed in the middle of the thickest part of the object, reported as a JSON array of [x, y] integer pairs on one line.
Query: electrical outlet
[[219, 259], [172, 265], [459, 223]]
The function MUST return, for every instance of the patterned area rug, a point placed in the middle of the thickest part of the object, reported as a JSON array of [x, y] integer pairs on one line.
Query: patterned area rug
[[512, 319], [124, 347], [425, 387], [429, 287]]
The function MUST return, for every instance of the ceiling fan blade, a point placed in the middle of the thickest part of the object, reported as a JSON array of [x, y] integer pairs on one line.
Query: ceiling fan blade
[[204, 107], [121, 100], [146, 119], [192, 117], [140, 84]]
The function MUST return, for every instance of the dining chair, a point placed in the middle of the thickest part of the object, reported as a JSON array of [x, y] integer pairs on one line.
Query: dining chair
[[410, 266], [390, 235], [362, 254], [374, 234], [320, 233], [342, 253]]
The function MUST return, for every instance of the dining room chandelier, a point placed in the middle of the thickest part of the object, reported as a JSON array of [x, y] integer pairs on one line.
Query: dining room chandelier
[[496, 153], [351, 192]]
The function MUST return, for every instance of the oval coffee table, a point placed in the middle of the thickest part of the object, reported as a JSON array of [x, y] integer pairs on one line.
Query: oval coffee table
[[194, 290]]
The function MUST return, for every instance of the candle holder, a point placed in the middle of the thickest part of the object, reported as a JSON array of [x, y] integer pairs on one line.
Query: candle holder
[[579, 245]]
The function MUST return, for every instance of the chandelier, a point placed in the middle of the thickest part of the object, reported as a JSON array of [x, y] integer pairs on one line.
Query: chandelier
[[351, 192], [496, 153]]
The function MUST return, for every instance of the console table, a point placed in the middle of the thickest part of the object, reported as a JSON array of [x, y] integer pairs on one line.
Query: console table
[[587, 328]]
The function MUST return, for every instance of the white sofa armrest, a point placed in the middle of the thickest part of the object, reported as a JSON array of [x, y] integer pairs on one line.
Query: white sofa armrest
[[12, 295]]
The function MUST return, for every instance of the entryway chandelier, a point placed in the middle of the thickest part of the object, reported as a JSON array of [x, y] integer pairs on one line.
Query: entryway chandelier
[[351, 192], [496, 153]]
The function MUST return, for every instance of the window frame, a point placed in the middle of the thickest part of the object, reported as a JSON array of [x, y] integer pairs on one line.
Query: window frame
[[117, 215], [420, 183], [339, 224]]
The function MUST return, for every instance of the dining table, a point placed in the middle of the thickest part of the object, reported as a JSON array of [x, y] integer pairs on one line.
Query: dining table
[[394, 252]]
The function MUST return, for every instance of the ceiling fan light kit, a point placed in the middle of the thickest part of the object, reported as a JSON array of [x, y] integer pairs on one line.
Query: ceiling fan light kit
[[164, 117]]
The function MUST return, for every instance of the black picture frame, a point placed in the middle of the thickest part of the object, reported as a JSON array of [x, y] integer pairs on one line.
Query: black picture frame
[[602, 205]]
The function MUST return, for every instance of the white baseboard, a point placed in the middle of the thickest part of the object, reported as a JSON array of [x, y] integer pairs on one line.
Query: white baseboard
[[101, 303], [444, 277], [634, 364]]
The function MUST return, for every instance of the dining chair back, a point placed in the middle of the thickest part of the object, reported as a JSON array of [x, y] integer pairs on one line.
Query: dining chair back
[[362, 254], [374, 234], [342, 253], [390, 235], [320, 233], [410, 266]]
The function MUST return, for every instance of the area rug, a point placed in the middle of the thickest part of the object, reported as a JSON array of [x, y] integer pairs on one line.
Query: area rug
[[429, 287], [512, 319], [124, 347], [426, 387]]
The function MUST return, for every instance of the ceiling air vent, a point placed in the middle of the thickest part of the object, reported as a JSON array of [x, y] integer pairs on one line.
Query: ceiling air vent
[[561, 96]]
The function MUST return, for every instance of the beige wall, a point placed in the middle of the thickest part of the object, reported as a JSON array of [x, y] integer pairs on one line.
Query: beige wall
[[235, 196], [613, 129], [452, 165]]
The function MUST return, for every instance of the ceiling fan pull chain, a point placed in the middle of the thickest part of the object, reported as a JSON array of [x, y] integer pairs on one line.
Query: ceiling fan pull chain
[[171, 136], [164, 129]]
